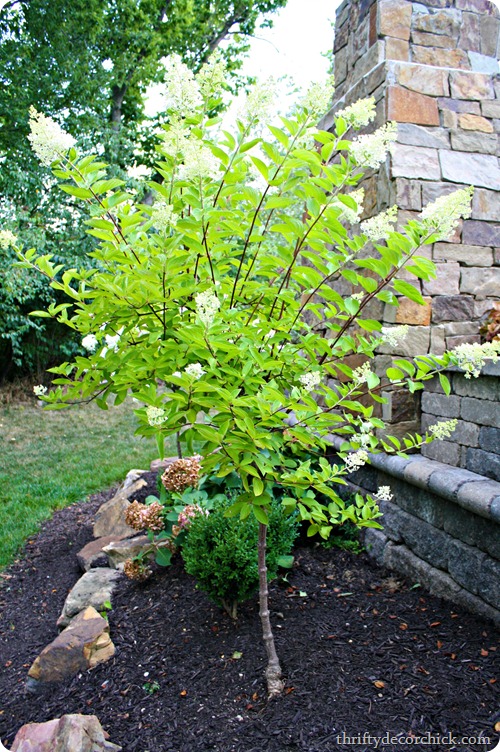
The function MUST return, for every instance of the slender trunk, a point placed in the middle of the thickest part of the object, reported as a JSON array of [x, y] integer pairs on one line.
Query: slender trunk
[[273, 670], [178, 442]]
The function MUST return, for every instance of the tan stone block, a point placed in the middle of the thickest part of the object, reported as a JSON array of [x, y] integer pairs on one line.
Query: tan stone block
[[491, 109], [396, 49], [426, 39], [415, 162], [485, 204], [395, 18], [422, 79], [475, 123], [468, 255], [471, 85], [449, 118], [441, 58], [410, 312], [405, 106], [445, 22]]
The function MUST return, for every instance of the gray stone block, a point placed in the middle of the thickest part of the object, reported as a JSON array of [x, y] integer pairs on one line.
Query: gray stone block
[[477, 232], [452, 308], [464, 167], [440, 404], [447, 482], [443, 451], [419, 471], [478, 496], [419, 135], [483, 387], [418, 502], [489, 582], [393, 520], [489, 439], [486, 204], [488, 536], [483, 63], [402, 560], [476, 605], [484, 143], [446, 282], [426, 541], [461, 524], [468, 255], [416, 162], [483, 412], [483, 463], [464, 564], [466, 433], [375, 542]]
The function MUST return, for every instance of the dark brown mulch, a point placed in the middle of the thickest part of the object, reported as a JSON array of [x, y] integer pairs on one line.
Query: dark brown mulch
[[362, 651]]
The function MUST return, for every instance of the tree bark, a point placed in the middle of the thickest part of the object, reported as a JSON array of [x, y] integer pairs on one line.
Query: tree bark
[[273, 670]]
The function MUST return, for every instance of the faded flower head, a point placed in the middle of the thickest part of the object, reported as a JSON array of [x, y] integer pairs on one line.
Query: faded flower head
[[393, 335], [212, 76], [182, 473], [89, 342], [379, 226], [358, 114], [371, 150], [310, 380], [194, 370], [472, 357], [188, 514], [156, 415], [355, 460], [163, 216], [207, 305], [145, 516], [39, 390], [47, 138], [183, 93], [7, 238], [443, 429], [443, 214], [137, 570]]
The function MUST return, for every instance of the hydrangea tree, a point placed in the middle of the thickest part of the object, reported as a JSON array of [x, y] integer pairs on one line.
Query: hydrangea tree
[[216, 307]]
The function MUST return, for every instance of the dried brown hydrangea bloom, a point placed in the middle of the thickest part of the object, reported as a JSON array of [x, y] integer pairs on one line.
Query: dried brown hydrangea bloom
[[137, 570], [134, 515], [182, 473], [145, 517]]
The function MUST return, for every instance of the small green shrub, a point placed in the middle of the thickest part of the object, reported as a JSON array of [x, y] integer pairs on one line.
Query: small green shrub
[[221, 552], [347, 538]]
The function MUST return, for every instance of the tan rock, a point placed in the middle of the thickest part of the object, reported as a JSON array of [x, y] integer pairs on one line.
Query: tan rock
[[157, 465], [82, 645], [395, 18], [422, 79], [485, 204], [444, 21], [71, 733], [406, 106], [426, 39], [450, 119], [110, 516], [480, 282], [396, 49], [119, 551], [475, 123], [94, 588], [415, 162], [476, 86], [410, 312], [439, 57], [468, 255], [92, 554]]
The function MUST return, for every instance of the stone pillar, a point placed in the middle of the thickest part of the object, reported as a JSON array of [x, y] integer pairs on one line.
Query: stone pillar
[[432, 67]]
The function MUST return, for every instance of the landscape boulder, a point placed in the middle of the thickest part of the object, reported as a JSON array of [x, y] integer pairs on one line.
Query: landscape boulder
[[94, 588], [110, 517], [71, 733]]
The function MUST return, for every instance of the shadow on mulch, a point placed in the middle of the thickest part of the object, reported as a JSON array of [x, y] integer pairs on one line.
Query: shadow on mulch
[[363, 653]]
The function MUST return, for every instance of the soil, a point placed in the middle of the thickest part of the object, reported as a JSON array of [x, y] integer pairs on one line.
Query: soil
[[363, 652]]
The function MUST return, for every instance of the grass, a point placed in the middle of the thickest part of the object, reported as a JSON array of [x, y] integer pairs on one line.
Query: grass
[[52, 459]]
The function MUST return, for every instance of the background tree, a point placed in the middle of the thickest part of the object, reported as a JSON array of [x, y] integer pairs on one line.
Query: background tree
[[88, 64]]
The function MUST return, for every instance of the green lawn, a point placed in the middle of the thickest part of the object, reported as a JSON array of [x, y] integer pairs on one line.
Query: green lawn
[[51, 459]]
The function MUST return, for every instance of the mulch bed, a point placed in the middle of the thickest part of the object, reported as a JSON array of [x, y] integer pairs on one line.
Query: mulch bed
[[363, 652]]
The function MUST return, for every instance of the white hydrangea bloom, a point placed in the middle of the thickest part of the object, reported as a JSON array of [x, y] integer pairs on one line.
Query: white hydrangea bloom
[[259, 101], [443, 214], [174, 138], [318, 97], [89, 342], [199, 162], [194, 370], [443, 429], [352, 215], [384, 493], [156, 416], [7, 238], [358, 296], [356, 460], [112, 340], [163, 216], [472, 357], [212, 76], [360, 113], [310, 380], [379, 226], [177, 374], [361, 375], [393, 335], [47, 138], [39, 390], [183, 93], [207, 304], [371, 150]]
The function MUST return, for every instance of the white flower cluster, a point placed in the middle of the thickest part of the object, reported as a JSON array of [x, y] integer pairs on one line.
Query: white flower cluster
[[443, 215], [156, 415], [112, 340], [318, 97], [163, 216], [358, 114], [384, 493], [358, 296], [183, 93], [310, 380], [39, 390], [212, 76], [356, 460], [194, 370], [393, 335], [371, 150], [47, 138], [199, 162], [443, 429], [207, 304], [174, 138], [352, 215], [259, 101], [472, 357], [379, 226], [361, 374], [7, 238], [89, 342]]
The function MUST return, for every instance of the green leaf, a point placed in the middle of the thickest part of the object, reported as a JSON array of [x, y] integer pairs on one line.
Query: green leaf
[[408, 291], [286, 562], [260, 515], [445, 383], [163, 557], [258, 486]]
